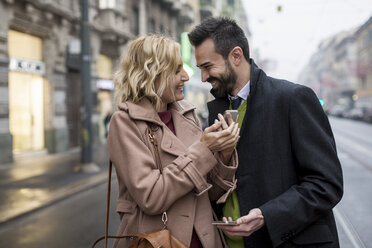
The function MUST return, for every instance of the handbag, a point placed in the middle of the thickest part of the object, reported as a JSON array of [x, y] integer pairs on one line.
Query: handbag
[[154, 239]]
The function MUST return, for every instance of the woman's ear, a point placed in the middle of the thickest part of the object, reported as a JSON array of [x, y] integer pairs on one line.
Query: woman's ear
[[236, 55]]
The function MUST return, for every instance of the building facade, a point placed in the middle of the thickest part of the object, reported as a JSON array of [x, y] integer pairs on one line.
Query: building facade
[[364, 55], [340, 71], [40, 81]]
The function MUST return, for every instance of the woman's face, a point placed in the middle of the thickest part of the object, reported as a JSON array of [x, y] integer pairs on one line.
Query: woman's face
[[175, 90]]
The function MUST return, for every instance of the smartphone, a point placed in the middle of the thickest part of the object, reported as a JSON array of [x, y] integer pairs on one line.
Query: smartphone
[[234, 114], [224, 223]]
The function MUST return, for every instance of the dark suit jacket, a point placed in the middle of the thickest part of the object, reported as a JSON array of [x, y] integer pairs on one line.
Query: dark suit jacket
[[288, 166]]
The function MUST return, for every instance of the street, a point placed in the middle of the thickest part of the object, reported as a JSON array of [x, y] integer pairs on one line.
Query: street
[[353, 215], [78, 220], [75, 222]]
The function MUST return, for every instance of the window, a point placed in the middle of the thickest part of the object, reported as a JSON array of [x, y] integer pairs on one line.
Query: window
[[231, 2], [135, 21], [151, 26], [107, 4], [104, 67]]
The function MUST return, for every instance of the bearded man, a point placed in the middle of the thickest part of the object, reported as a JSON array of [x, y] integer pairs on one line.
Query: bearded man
[[289, 175]]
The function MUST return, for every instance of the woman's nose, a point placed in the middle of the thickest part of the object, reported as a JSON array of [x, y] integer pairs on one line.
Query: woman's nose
[[185, 76]]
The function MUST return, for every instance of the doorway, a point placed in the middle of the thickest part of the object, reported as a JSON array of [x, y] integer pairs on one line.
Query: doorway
[[26, 111]]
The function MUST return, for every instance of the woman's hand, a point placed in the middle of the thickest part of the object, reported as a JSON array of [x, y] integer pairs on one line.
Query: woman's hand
[[226, 154], [218, 140]]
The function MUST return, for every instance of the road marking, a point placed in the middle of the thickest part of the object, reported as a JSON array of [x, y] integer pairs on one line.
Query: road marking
[[343, 155], [358, 160], [352, 133], [354, 145], [347, 146], [348, 228]]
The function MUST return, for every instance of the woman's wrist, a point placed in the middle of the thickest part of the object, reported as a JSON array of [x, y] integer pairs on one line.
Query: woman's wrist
[[226, 155]]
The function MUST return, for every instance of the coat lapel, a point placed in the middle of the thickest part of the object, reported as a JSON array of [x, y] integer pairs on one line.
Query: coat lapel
[[186, 129], [142, 110]]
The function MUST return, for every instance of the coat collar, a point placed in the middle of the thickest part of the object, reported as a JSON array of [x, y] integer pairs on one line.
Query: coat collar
[[187, 131], [257, 76], [144, 110]]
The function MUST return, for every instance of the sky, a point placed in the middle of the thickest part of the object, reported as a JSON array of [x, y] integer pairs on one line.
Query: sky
[[291, 36]]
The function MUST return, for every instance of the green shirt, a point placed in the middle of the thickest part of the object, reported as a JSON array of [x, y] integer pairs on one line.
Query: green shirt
[[231, 207]]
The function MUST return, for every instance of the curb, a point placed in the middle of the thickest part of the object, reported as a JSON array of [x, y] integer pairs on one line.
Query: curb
[[57, 196]]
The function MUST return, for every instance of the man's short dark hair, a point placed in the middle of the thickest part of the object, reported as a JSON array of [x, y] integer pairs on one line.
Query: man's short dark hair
[[224, 32]]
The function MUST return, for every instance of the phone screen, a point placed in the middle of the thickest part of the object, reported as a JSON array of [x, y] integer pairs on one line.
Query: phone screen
[[224, 223], [234, 114]]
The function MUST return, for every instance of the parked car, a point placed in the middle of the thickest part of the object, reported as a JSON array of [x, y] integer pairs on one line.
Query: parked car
[[368, 114], [355, 113], [338, 110]]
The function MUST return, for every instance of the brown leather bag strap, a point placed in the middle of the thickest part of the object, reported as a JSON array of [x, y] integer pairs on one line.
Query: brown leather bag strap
[[106, 237], [148, 236], [108, 204], [154, 141]]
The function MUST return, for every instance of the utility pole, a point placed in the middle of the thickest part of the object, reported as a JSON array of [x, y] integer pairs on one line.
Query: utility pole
[[86, 135]]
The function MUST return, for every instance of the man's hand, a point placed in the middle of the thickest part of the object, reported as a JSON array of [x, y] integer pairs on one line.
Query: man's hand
[[247, 224]]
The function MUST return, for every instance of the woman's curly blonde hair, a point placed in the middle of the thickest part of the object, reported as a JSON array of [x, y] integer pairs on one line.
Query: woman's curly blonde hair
[[147, 59]]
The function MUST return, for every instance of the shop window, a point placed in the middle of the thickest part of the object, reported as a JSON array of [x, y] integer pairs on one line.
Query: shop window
[[107, 4], [26, 91], [104, 67]]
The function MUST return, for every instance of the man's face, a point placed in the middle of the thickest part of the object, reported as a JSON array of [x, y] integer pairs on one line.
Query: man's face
[[215, 69]]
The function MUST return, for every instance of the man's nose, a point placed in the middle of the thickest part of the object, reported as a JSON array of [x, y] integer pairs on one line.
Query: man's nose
[[204, 75]]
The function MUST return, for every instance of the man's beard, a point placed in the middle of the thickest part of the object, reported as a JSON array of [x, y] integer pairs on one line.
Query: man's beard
[[226, 82]]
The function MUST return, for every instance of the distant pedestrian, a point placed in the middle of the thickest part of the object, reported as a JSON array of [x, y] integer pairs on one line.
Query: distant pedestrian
[[289, 176], [197, 166]]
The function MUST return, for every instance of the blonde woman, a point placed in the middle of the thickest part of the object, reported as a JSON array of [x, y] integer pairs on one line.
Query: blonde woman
[[197, 166]]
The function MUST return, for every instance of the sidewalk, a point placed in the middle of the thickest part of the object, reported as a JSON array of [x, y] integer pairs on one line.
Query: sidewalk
[[32, 183]]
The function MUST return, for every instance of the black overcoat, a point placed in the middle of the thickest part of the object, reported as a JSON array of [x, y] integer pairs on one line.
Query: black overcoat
[[288, 165]]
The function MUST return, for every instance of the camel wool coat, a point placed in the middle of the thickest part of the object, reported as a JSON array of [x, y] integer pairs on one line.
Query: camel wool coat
[[192, 175]]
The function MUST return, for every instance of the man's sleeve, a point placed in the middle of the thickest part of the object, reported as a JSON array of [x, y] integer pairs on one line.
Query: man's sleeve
[[320, 183]]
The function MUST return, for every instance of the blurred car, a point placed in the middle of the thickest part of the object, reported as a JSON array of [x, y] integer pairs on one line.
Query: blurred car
[[355, 113], [338, 110], [368, 114]]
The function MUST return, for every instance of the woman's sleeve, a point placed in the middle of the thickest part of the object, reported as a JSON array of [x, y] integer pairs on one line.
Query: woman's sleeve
[[136, 168], [222, 177]]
